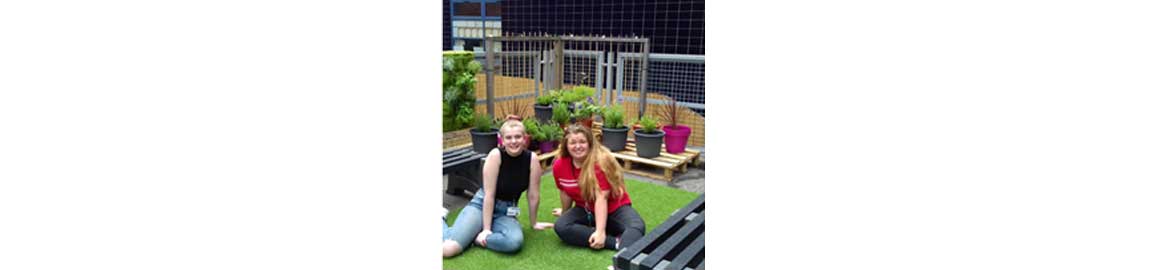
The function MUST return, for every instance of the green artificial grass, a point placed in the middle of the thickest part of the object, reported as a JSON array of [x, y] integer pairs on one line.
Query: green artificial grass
[[544, 249]]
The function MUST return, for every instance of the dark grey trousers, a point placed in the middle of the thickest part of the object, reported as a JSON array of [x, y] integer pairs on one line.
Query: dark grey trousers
[[576, 225]]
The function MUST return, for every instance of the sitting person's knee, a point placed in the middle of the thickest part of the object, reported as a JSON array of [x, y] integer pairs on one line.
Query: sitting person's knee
[[514, 246], [451, 248], [561, 228]]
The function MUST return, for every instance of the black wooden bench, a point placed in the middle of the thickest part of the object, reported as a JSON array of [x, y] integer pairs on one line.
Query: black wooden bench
[[678, 243], [463, 168]]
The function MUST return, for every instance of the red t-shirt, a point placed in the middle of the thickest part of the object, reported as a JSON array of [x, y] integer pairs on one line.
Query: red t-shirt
[[566, 179]]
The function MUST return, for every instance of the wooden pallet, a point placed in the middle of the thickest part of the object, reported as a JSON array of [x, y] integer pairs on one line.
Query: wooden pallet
[[667, 161], [545, 159]]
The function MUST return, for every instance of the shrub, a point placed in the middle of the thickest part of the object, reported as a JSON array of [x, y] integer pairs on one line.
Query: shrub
[[546, 99], [552, 132], [560, 114], [484, 123], [585, 110], [459, 69], [613, 117], [531, 126], [648, 124]]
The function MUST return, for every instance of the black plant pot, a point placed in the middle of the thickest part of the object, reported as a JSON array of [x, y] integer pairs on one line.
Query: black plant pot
[[483, 142], [614, 138], [543, 113], [649, 144], [534, 146]]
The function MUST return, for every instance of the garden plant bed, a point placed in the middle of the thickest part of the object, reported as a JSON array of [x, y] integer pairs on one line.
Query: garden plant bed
[[666, 161]]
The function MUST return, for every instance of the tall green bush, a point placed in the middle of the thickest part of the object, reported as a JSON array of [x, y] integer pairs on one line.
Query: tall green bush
[[459, 69], [648, 124], [560, 113], [552, 131], [531, 126], [613, 117]]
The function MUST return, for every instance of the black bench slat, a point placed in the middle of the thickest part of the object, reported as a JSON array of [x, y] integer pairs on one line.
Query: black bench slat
[[689, 256], [631, 256], [675, 243], [455, 154], [462, 167], [456, 164]]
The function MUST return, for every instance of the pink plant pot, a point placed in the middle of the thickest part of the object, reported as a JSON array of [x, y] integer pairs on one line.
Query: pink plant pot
[[676, 138], [546, 147]]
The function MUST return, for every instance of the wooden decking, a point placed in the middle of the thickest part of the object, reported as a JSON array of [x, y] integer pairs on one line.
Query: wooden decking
[[545, 159]]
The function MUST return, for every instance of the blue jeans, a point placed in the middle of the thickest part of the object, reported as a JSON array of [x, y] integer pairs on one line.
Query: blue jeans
[[506, 233]]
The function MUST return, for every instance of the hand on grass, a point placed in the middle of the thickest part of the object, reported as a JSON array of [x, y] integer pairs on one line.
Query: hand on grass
[[482, 238], [597, 239], [543, 225]]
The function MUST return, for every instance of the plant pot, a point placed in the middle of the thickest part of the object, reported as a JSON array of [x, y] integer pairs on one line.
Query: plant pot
[[649, 144], [483, 142], [547, 147], [676, 138], [543, 113], [614, 138], [534, 146], [588, 123]]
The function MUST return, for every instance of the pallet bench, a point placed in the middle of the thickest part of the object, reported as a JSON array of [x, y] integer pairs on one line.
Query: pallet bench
[[668, 162], [463, 169], [545, 159], [677, 243]]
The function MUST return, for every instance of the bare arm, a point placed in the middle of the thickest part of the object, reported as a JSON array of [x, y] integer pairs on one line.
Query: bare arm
[[567, 202], [598, 238], [600, 211], [533, 189], [490, 178]]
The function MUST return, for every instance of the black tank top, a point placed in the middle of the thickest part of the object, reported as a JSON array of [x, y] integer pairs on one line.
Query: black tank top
[[514, 176]]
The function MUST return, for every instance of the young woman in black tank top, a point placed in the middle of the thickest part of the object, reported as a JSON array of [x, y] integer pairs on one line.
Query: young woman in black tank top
[[490, 219]]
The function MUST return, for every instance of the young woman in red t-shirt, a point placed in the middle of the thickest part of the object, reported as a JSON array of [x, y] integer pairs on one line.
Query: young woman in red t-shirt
[[596, 210]]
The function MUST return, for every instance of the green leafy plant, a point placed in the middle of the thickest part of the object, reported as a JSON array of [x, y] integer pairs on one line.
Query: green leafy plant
[[532, 128], [648, 124], [552, 132], [569, 97], [459, 69], [560, 113], [584, 110], [613, 117], [583, 92], [546, 99], [484, 123]]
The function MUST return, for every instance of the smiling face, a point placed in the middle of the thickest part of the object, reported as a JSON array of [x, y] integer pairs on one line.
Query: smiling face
[[577, 145], [514, 141]]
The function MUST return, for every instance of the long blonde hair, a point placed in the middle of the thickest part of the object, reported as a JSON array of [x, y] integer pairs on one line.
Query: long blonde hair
[[596, 155]]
